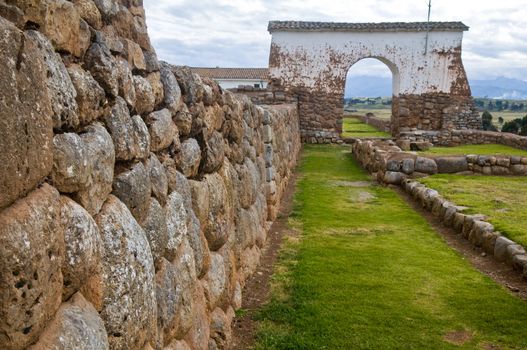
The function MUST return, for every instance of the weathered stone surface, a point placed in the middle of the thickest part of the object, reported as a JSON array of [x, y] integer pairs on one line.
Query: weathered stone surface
[[176, 215], [133, 54], [155, 227], [172, 92], [102, 66], [30, 265], [169, 299], [130, 135], [26, 115], [133, 188], [393, 177], [198, 243], [189, 83], [59, 20], [189, 158], [214, 153], [158, 178], [126, 82], [183, 120], [451, 165], [60, 87], [425, 165], [218, 225], [154, 79], [220, 329], [90, 95], [162, 129], [101, 158], [199, 334], [215, 285], [83, 246], [145, 99], [408, 165], [177, 345], [129, 306], [89, 12], [500, 248], [76, 325], [200, 199], [70, 171], [13, 14]]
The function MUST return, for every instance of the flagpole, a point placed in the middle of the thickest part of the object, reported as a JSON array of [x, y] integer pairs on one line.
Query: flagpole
[[428, 25]]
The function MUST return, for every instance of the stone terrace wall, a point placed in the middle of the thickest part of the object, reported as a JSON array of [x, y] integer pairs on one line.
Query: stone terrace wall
[[467, 137], [134, 196]]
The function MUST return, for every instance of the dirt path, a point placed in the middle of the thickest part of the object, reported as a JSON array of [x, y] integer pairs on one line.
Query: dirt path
[[257, 288], [498, 271]]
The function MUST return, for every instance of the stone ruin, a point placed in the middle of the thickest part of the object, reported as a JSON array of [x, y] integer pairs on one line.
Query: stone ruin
[[310, 60], [135, 197]]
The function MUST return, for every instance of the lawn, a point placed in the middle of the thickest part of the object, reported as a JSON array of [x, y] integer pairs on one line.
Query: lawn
[[353, 127], [502, 199], [367, 272], [487, 149]]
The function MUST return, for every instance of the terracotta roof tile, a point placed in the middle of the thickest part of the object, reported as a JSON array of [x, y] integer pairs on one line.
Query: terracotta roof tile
[[299, 26], [232, 73]]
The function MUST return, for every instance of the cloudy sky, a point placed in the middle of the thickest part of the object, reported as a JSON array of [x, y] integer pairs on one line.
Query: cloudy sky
[[233, 33]]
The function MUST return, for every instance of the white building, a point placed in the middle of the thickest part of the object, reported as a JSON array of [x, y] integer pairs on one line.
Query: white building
[[230, 78]]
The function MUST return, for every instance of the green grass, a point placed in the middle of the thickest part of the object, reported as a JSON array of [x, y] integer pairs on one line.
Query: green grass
[[369, 273], [506, 115], [500, 198], [353, 127], [487, 149]]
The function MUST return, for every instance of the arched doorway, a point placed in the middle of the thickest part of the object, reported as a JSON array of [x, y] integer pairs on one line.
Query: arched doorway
[[370, 85]]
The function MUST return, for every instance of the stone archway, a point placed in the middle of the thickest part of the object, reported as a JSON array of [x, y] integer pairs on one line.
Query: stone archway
[[310, 60]]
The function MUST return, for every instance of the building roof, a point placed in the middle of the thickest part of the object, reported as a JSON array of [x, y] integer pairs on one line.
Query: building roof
[[299, 26], [232, 73]]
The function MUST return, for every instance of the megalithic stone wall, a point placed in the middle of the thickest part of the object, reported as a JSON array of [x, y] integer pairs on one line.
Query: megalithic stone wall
[[134, 196]]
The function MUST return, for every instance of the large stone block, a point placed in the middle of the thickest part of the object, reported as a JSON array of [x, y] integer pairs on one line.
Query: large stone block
[[189, 158], [177, 219], [145, 98], [155, 227], [101, 158], [101, 64], [158, 178], [172, 92], [129, 134], [60, 87], [129, 306], [219, 223], [133, 188], [90, 95], [76, 325], [162, 129], [70, 163], [83, 247], [30, 267], [25, 115]]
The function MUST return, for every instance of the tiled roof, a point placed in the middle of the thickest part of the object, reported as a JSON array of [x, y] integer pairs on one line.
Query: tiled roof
[[232, 73], [299, 26]]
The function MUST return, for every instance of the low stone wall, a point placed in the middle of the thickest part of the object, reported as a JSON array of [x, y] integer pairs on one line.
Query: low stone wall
[[393, 165], [474, 228], [264, 96], [467, 137], [378, 123], [135, 196]]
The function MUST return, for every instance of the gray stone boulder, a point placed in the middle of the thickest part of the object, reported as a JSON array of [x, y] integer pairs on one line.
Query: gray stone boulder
[[158, 178], [189, 158], [90, 95], [393, 177], [101, 64], [145, 99], [133, 188], [408, 165], [162, 129], [26, 142], [425, 165], [451, 165], [129, 305], [155, 228], [30, 265], [177, 218], [60, 87], [500, 248], [130, 135], [100, 154], [215, 285], [172, 92], [126, 82], [83, 246], [71, 169], [218, 225], [76, 325], [214, 153]]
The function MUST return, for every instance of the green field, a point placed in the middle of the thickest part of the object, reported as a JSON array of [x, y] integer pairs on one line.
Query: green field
[[367, 272], [500, 198], [353, 127], [506, 115], [382, 113], [486, 149]]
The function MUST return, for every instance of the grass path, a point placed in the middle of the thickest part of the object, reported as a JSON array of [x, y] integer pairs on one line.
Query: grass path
[[367, 272], [485, 149], [353, 127]]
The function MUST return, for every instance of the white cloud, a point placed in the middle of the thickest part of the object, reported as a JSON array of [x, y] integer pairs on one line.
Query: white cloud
[[234, 32]]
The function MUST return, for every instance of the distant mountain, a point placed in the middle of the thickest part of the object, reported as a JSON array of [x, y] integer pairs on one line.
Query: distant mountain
[[503, 88]]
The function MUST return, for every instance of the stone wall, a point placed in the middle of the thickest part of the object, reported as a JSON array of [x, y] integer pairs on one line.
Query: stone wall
[[376, 122], [135, 196], [393, 165]]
